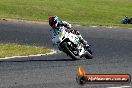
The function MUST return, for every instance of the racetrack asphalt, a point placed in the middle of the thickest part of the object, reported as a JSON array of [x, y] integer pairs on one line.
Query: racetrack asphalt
[[112, 49]]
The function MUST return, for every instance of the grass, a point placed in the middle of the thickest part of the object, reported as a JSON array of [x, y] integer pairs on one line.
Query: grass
[[85, 12], [8, 50]]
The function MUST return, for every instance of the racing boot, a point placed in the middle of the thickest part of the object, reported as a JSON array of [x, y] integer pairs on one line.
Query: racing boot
[[84, 42], [86, 46]]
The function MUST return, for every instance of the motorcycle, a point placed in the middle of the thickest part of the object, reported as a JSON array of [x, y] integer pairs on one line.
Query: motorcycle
[[70, 44], [126, 20]]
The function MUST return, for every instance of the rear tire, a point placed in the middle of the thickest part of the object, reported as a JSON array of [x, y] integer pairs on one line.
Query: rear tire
[[68, 52], [88, 55]]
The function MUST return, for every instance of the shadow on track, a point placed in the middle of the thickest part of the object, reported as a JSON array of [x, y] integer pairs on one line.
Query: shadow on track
[[37, 60]]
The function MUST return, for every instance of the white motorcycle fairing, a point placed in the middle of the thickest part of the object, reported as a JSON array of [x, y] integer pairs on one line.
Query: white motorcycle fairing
[[72, 37]]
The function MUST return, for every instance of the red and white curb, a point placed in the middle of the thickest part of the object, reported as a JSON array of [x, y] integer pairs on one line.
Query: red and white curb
[[37, 55]]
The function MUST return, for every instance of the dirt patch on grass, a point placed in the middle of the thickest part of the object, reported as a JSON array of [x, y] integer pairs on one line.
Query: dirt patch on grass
[[24, 21]]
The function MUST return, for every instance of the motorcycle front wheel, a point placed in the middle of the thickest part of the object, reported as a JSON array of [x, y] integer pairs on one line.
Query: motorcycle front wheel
[[69, 52]]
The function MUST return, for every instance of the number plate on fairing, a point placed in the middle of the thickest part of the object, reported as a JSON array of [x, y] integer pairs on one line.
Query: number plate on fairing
[[73, 38]]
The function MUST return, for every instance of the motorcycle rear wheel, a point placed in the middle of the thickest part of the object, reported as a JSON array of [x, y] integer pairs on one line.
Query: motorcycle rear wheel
[[88, 55]]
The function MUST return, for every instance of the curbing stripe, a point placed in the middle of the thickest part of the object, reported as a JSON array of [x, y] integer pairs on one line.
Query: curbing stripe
[[121, 87], [13, 57]]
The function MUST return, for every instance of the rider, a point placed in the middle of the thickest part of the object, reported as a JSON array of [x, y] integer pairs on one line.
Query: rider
[[56, 23]]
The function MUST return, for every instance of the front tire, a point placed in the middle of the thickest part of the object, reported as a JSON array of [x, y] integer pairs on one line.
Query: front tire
[[69, 52]]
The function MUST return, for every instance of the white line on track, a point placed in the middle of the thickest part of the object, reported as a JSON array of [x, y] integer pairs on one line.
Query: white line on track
[[93, 26], [121, 87], [52, 52]]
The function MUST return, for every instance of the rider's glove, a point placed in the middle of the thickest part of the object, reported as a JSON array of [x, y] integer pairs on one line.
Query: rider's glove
[[69, 26]]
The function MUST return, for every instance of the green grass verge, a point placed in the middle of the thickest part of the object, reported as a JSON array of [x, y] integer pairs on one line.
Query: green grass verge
[[8, 50], [85, 12]]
